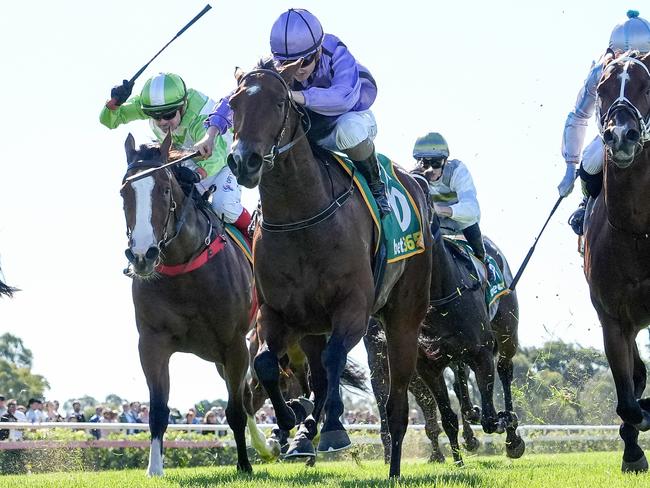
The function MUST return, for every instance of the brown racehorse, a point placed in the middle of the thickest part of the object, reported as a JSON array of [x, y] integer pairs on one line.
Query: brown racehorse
[[617, 241], [313, 263], [192, 292], [458, 331]]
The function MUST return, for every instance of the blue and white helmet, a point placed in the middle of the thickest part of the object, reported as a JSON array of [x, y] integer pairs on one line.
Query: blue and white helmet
[[297, 33], [633, 34]]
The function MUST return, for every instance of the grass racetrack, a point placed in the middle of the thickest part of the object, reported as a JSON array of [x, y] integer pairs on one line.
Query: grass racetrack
[[594, 469]]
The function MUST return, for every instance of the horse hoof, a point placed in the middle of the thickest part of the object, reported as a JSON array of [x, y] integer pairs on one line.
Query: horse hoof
[[311, 462], [299, 447], [472, 444], [638, 466], [516, 448], [245, 468], [334, 440], [274, 449]]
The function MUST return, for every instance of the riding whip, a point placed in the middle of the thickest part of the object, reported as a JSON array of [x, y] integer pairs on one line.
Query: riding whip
[[532, 249], [112, 104]]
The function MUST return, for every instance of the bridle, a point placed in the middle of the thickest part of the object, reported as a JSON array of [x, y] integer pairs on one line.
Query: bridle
[[179, 220], [269, 159], [623, 103]]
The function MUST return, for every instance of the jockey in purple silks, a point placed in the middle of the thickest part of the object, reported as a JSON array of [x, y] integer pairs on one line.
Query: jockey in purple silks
[[336, 90]]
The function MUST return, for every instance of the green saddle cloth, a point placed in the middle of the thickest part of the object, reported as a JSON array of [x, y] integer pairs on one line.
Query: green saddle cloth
[[494, 281], [401, 230]]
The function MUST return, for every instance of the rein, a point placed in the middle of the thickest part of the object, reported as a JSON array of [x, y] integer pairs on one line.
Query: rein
[[269, 160], [623, 103], [165, 241], [275, 151]]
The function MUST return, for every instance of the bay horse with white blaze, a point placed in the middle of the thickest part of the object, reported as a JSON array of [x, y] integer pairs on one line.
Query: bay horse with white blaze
[[192, 292], [313, 263], [617, 241]]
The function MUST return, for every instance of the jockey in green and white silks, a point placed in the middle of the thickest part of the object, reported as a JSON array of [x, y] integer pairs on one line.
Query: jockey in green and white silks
[[451, 190], [633, 34], [171, 107]]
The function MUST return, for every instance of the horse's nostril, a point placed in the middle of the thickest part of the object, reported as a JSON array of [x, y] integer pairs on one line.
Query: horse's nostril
[[632, 135], [130, 256], [232, 164], [609, 137], [152, 253]]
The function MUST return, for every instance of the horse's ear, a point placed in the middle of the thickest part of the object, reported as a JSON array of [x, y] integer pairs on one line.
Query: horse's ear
[[129, 147], [165, 146], [288, 71], [239, 74]]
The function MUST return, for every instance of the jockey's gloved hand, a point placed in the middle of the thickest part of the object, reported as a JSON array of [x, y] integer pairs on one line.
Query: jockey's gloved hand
[[121, 93], [566, 185], [188, 176]]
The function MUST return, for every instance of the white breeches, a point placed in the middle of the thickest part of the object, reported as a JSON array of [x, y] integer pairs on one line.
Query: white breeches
[[351, 129], [593, 156], [226, 200]]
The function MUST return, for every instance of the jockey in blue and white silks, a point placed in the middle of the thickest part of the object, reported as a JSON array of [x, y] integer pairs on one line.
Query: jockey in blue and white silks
[[451, 190], [633, 34], [336, 90]]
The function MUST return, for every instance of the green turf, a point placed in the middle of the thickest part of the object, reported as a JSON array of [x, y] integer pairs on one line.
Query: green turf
[[591, 470]]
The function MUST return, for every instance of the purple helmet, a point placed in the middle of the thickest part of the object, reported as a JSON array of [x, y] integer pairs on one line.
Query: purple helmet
[[296, 34]]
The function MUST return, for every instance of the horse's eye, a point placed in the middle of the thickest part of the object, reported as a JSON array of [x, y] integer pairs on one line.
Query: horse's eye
[[281, 104], [168, 190]]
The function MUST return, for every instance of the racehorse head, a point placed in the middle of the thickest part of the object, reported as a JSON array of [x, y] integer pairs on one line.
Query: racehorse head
[[150, 197], [624, 98], [262, 108]]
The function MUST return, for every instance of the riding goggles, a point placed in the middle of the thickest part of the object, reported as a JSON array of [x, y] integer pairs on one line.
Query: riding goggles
[[306, 61], [165, 116], [435, 163]]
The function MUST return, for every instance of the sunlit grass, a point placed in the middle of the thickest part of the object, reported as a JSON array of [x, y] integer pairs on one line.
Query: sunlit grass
[[532, 471]]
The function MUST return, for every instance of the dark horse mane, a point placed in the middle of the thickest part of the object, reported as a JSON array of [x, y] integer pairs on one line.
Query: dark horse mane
[[151, 152]]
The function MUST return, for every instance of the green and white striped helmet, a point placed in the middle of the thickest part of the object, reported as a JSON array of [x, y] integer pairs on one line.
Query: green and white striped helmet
[[162, 94], [433, 145]]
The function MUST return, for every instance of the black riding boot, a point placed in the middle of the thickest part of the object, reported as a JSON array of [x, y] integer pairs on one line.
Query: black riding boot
[[591, 186], [369, 168], [577, 218], [475, 239]]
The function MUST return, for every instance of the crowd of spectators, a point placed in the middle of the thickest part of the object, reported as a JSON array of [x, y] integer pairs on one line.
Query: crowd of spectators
[[38, 411]]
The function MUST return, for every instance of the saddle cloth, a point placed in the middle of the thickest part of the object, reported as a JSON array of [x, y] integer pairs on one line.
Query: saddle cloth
[[401, 230], [494, 289]]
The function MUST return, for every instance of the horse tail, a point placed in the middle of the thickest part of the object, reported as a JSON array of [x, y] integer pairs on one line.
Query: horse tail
[[354, 377], [6, 290]]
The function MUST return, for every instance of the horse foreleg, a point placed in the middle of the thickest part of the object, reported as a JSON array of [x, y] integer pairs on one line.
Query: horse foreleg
[[378, 363], [154, 358], [620, 351], [483, 366], [272, 334], [402, 352], [234, 372], [301, 445], [432, 376], [333, 435], [427, 402]]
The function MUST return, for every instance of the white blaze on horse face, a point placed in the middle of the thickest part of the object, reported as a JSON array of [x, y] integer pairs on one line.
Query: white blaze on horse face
[[155, 467], [253, 90], [142, 237]]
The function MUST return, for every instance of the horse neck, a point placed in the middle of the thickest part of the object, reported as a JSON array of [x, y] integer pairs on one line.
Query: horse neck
[[191, 238], [295, 188], [626, 194], [445, 276]]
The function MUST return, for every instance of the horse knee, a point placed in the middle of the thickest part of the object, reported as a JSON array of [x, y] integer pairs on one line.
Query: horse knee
[[630, 413]]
